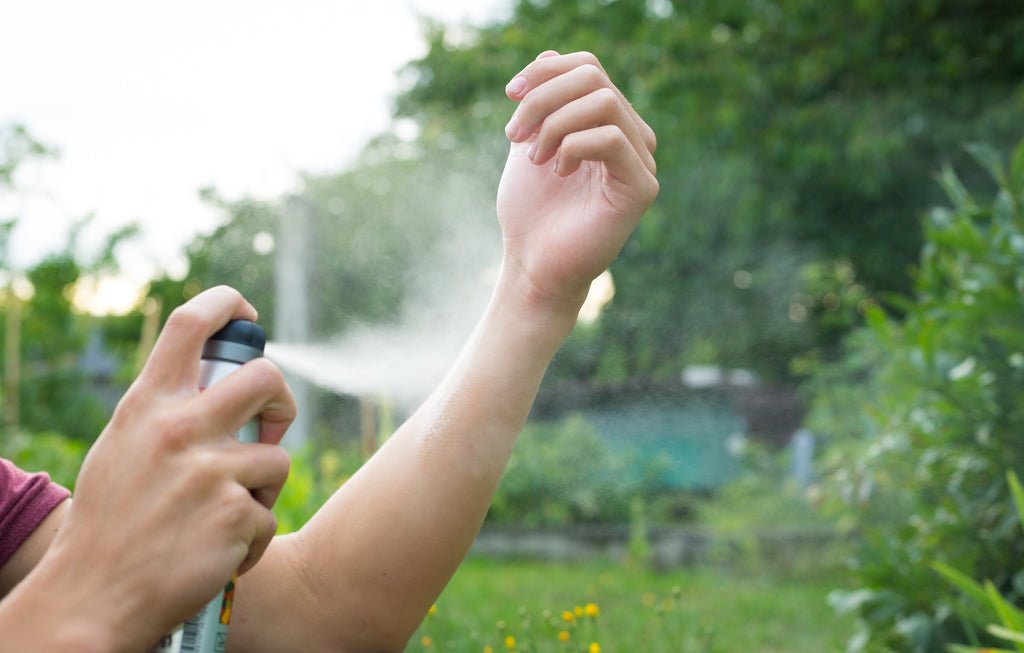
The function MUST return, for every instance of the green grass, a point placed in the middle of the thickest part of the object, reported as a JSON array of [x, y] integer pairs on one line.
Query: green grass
[[687, 610]]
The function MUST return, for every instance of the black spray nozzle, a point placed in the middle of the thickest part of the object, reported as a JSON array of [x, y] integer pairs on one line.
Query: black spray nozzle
[[239, 341], [243, 332]]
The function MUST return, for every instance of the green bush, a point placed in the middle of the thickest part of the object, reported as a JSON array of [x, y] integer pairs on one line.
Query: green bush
[[764, 520], [56, 454], [985, 601], [935, 415], [562, 472]]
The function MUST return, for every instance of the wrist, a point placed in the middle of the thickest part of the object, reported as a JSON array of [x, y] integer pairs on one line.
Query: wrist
[[52, 609], [32, 618], [534, 307]]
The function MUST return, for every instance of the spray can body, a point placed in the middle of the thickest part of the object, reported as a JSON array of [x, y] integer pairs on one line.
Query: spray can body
[[226, 351]]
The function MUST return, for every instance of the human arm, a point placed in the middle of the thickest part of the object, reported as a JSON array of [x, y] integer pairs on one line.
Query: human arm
[[167, 504], [362, 573], [31, 509]]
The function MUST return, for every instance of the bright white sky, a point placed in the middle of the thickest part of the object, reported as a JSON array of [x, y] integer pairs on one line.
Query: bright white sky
[[147, 103]]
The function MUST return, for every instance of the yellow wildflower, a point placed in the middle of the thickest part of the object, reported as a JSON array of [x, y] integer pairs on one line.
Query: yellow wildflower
[[567, 617], [426, 641], [594, 648], [563, 636], [433, 610], [488, 649], [510, 642], [578, 611], [592, 610]]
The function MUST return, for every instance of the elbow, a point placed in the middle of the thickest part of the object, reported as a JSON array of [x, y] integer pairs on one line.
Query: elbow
[[368, 635], [339, 618]]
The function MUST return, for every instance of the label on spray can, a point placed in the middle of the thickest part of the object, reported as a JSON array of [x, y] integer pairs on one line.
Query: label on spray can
[[227, 350]]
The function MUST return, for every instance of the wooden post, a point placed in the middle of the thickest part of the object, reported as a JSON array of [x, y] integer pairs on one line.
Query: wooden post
[[293, 310], [12, 363], [151, 314], [367, 426], [385, 420]]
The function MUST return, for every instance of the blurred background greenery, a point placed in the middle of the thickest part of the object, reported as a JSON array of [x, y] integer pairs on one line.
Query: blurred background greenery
[[837, 243]]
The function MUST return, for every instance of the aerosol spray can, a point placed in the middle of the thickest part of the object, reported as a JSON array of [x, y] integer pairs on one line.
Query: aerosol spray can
[[227, 350]]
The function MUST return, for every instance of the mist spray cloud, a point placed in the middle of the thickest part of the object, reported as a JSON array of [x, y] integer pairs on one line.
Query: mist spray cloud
[[450, 284]]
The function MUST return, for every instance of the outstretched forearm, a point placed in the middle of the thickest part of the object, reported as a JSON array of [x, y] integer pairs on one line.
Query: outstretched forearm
[[391, 538], [363, 572]]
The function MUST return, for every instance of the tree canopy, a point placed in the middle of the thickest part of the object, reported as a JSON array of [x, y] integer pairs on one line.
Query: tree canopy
[[797, 144]]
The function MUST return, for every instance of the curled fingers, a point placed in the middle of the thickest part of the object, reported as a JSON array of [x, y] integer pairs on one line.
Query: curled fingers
[[174, 362], [601, 107], [608, 145], [549, 67]]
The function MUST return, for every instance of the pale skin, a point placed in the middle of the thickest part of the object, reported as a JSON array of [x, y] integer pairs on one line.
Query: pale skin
[[362, 573]]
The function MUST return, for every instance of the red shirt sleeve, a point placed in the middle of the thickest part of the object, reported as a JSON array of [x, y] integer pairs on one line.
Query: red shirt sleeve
[[25, 501]]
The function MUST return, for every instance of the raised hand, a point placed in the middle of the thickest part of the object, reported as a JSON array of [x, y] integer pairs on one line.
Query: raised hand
[[579, 175]]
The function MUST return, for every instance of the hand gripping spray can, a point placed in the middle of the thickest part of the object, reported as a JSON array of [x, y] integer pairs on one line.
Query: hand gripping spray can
[[227, 350]]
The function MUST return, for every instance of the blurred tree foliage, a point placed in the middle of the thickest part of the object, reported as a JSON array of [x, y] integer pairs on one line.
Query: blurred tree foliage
[[927, 413], [55, 391], [226, 256], [792, 136], [16, 147], [390, 235], [790, 132]]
